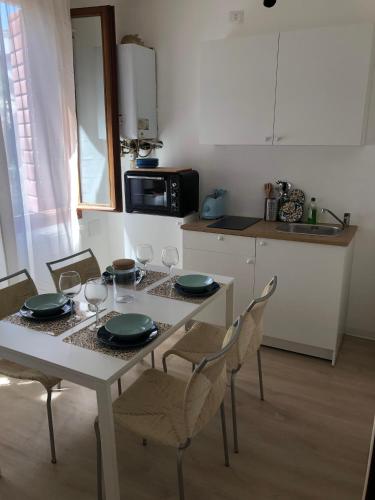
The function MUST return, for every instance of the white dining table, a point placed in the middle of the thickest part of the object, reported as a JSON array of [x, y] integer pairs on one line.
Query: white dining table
[[98, 371]]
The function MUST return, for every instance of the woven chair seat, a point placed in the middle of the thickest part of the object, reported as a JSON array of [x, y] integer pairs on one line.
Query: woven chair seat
[[153, 408], [14, 370], [202, 339]]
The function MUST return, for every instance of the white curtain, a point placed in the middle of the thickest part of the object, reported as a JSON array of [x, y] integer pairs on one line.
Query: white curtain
[[38, 125]]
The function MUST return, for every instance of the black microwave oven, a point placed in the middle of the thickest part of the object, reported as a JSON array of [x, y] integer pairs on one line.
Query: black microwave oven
[[162, 191]]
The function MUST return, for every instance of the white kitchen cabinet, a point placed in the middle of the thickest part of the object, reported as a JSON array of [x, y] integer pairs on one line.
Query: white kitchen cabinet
[[307, 313], [323, 83], [309, 87], [223, 254], [238, 79]]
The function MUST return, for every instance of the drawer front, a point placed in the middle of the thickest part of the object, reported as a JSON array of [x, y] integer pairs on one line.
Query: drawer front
[[223, 243]]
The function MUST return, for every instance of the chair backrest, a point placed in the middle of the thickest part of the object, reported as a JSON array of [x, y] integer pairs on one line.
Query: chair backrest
[[250, 337], [206, 387], [87, 267], [12, 297]]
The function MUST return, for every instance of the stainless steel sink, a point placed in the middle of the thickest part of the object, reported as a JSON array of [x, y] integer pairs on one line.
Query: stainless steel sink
[[311, 229]]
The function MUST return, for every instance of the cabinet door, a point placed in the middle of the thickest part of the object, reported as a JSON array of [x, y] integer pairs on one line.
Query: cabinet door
[[238, 79], [240, 267], [305, 308], [323, 85]]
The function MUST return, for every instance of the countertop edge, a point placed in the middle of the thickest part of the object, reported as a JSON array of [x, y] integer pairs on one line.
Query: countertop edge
[[267, 230]]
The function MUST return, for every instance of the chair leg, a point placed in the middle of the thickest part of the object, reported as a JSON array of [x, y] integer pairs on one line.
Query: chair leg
[[234, 410], [119, 386], [99, 474], [50, 426], [260, 375], [152, 359], [180, 452], [224, 430]]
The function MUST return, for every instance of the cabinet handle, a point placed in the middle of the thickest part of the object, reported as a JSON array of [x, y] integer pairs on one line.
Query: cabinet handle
[[279, 138], [268, 138], [262, 243], [250, 261], [220, 238]]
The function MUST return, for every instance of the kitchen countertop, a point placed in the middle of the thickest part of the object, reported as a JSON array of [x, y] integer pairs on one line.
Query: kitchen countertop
[[266, 230]]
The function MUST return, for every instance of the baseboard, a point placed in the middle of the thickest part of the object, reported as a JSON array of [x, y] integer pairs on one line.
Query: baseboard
[[361, 334]]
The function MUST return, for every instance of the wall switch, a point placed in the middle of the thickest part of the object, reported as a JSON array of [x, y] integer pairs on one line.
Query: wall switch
[[237, 16]]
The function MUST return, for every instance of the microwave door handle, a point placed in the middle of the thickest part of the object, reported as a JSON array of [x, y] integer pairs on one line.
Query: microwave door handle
[[144, 177]]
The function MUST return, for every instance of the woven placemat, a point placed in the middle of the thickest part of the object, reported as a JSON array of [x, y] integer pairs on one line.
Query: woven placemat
[[150, 278], [88, 340], [165, 290], [55, 327]]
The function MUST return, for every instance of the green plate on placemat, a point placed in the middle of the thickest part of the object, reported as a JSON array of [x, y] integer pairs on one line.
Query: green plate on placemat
[[46, 303], [195, 282], [129, 325]]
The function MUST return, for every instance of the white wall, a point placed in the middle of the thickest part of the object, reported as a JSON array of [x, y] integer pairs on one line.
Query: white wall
[[342, 178]]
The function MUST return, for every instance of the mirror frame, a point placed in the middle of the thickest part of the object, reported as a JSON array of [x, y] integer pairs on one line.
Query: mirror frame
[[107, 17]]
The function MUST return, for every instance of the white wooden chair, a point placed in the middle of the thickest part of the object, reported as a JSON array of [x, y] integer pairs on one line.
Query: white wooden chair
[[203, 339], [168, 410], [12, 298]]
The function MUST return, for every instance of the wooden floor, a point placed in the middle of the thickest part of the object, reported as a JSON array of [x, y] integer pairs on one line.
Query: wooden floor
[[308, 440]]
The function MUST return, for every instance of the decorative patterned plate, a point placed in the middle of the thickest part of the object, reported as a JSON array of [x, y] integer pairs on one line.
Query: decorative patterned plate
[[297, 195], [291, 211]]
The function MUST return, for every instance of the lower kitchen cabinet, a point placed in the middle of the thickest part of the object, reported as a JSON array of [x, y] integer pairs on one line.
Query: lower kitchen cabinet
[[226, 255], [308, 311]]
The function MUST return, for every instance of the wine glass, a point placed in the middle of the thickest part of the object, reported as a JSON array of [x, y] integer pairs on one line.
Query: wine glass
[[170, 258], [70, 285], [144, 254], [96, 292]]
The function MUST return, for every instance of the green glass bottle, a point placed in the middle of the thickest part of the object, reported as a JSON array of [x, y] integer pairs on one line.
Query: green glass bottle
[[311, 214]]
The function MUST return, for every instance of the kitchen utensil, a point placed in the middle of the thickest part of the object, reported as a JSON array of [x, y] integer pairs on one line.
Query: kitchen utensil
[[271, 209], [213, 205], [268, 188]]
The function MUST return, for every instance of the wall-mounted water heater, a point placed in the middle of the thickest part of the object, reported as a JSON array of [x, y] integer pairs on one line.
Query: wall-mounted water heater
[[137, 91]]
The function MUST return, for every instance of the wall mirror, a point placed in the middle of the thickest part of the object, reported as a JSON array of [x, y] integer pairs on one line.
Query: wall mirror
[[95, 75]]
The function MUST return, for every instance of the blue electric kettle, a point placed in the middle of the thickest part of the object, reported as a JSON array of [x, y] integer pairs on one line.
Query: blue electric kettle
[[213, 205]]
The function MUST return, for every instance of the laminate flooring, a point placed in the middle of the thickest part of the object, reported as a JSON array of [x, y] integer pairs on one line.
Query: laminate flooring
[[308, 440]]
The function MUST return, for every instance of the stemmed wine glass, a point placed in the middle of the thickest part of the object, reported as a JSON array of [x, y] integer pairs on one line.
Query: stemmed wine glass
[[96, 292], [70, 285], [144, 254], [170, 258]]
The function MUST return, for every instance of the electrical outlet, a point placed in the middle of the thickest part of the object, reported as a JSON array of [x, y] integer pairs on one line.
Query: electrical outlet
[[237, 16]]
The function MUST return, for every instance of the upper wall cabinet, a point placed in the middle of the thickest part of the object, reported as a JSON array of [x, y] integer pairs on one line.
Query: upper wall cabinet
[[323, 86], [314, 91], [238, 78]]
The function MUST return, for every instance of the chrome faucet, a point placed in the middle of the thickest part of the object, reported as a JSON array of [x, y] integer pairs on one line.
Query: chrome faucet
[[342, 222]]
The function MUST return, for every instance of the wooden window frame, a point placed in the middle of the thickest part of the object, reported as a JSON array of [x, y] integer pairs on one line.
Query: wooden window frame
[[107, 17]]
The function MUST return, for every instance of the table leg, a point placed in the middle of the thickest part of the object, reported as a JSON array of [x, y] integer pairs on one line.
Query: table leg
[[108, 442], [229, 306]]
